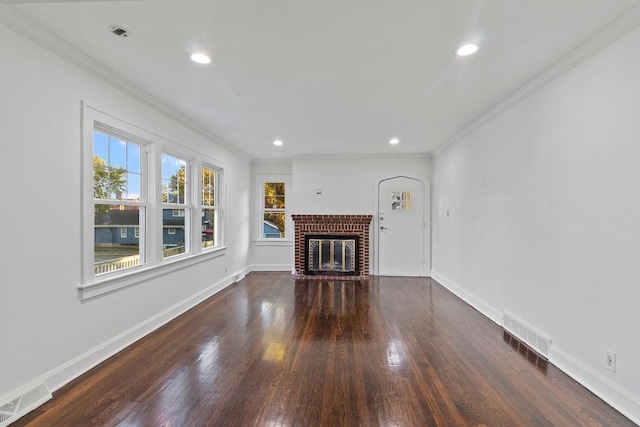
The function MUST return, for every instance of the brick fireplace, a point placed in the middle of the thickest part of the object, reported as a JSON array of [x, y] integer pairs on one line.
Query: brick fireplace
[[334, 227]]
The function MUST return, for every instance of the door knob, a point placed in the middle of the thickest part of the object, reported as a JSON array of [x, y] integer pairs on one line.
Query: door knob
[[382, 227]]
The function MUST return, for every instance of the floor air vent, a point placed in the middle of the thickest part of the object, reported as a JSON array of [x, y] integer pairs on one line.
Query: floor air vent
[[535, 340], [21, 405]]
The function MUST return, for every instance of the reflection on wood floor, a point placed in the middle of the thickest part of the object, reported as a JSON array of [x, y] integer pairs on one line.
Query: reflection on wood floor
[[272, 350]]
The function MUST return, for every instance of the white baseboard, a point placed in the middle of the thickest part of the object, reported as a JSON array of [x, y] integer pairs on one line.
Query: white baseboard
[[271, 267], [469, 298], [72, 369], [619, 398]]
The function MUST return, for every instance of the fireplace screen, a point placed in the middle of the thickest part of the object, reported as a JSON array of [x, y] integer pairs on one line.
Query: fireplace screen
[[331, 255]]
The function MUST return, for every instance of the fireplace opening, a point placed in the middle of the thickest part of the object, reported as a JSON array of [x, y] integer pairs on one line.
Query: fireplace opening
[[332, 255]]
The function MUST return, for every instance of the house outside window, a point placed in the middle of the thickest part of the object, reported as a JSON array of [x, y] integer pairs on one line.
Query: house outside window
[[176, 189], [118, 201], [140, 211]]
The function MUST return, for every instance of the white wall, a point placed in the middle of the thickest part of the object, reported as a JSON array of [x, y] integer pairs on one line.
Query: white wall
[[270, 256], [544, 206], [46, 329], [349, 184]]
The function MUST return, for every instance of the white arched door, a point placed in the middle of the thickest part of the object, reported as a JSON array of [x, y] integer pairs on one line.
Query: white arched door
[[403, 227]]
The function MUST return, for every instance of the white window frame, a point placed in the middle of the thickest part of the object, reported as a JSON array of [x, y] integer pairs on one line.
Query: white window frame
[[260, 181], [218, 229], [123, 232], [186, 207], [150, 230]]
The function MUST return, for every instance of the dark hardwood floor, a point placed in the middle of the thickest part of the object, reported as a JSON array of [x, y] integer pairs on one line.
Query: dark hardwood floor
[[273, 351]]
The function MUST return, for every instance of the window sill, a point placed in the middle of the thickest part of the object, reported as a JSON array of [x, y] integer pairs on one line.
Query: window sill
[[135, 276], [274, 242]]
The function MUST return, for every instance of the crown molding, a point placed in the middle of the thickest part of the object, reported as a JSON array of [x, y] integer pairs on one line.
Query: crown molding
[[64, 50], [603, 38]]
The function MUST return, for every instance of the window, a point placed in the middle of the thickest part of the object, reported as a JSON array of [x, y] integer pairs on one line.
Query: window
[[273, 218], [118, 202], [147, 202], [210, 208], [176, 188]]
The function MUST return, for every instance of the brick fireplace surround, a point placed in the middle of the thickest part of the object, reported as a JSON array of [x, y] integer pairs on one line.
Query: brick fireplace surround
[[337, 225]]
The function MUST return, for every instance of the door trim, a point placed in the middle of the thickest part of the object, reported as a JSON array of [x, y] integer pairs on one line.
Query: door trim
[[424, 232]]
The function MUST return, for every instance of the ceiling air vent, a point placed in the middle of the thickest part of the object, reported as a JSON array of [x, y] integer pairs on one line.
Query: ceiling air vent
[[119, 31]]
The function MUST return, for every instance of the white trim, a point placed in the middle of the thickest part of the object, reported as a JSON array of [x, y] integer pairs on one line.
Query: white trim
[[135, 276], [151, 235], [492, 313], [273, 242], [272, 267], [90, 120], [72, 369], [260, 180], [608, 35], [618, 397]]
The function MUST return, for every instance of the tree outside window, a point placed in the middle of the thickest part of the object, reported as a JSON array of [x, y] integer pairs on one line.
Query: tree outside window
[[117, 171], [273, 210]]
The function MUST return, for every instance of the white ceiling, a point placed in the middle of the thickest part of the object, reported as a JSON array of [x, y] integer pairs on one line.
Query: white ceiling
[[328, 76]]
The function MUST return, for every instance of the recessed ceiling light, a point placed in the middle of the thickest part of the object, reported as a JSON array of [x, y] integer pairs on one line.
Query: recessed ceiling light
[[200, 58], [277, 143], [394, 141], [467, 49]]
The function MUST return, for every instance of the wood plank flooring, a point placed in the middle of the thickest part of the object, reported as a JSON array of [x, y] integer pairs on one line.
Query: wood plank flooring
[[275, 351]]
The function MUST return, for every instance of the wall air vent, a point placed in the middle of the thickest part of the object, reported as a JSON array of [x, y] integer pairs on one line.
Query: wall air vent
[[119, 31], [26, 402], [534, 339]]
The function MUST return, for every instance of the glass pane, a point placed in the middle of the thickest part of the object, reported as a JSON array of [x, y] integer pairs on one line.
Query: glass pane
[[208, 228], [348, 258], [133, 158], [133, 186], [325, 248], [337, 255], [314, 254], [274, 195], [111, 158], [117, 153], [116, 239], [208, 186], [174, 179], [100, 178], [100, 145], [173, 232], [273, 225]]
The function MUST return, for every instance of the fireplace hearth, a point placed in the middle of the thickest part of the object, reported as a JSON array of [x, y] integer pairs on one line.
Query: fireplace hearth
[[332, 245]]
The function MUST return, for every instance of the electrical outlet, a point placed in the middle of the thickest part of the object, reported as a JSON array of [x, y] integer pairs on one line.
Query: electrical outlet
[[226, 269], [610, 360]]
